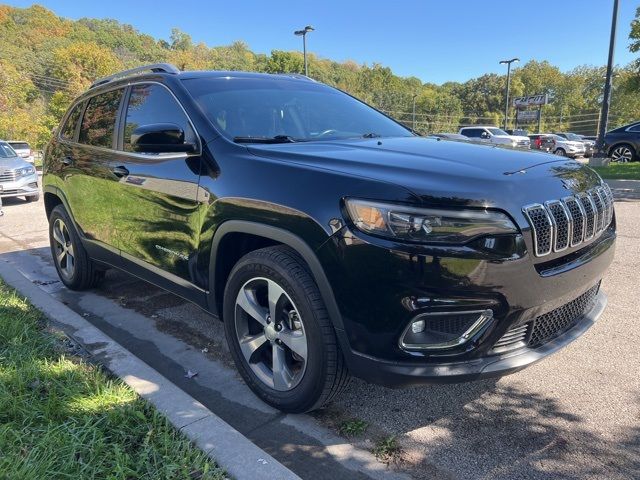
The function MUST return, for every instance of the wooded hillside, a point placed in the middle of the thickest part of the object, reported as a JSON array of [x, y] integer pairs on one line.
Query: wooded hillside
[[45, 61]]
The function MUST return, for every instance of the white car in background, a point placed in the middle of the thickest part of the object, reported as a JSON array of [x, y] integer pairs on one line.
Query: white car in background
[[18, 178], [22, 148], [496, 136], [567, 148]]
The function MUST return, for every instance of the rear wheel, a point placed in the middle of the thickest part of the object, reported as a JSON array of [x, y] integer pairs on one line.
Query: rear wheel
[[279, 332], [561, 152], [76, 270], [622, 153]]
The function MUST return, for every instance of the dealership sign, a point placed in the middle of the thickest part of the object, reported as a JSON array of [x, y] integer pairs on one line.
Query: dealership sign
[[530, 100], [528, 115]]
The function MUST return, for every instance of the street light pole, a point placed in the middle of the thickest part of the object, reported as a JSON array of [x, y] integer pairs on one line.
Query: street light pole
[[606, 98], [303, 34], [413, 115], [506, 100]]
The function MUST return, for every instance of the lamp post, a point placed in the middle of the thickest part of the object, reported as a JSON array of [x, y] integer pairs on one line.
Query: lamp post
[[506, 101], [303, 33], [600, 154]]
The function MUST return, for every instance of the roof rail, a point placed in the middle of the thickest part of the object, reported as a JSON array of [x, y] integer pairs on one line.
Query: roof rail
[[299, 76], [156, 67]]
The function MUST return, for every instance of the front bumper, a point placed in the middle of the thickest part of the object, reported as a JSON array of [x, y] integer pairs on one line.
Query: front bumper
[[402, 374], [22, 187]]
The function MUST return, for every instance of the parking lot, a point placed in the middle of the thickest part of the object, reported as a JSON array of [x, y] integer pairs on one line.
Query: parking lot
[[576, 415]]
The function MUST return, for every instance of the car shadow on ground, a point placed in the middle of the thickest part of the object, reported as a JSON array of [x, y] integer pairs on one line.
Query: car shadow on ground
[[494, 428]]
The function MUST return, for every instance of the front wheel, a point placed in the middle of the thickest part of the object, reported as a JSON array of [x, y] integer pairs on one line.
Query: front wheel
[[560, 152], [33, 198], [279, 332]]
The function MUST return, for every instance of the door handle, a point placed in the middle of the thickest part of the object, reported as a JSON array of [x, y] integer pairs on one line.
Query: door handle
[[67, 160], [120, 171]]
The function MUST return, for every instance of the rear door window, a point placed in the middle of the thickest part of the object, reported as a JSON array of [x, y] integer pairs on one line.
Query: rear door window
[[98, 123]]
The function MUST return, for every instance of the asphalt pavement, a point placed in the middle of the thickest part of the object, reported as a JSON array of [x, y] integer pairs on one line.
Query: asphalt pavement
[[575, 415]]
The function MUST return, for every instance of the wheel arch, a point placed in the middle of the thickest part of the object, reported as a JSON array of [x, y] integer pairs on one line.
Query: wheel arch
[[265, 235]]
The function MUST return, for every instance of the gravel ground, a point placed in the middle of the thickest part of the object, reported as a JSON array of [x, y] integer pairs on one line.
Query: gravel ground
[[575, 415]]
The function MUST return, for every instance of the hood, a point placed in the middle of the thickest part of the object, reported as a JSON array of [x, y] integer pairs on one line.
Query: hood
[[13, 162], [433, 170]]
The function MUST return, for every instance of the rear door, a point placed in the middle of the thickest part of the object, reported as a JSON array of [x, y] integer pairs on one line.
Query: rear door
[[156, 201], [88, 182]]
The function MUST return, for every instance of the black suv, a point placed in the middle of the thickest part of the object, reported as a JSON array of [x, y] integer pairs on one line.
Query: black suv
[[623, 144], [328, 237]]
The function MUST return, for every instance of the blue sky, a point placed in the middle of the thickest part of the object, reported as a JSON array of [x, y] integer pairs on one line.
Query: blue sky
[[434, 40]]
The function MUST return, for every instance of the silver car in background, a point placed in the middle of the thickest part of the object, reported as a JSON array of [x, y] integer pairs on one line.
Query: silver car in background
[[567, 148], [589, 145], [18, 178]]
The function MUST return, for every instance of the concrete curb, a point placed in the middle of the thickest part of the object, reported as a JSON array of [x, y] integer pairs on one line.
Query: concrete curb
[[229, 448]]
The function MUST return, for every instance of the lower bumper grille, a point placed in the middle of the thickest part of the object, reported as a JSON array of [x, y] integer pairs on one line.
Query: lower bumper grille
[[548, 326]]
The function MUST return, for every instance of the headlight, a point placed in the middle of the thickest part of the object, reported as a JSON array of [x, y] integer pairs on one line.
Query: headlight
[[23, 172], [427, 225]]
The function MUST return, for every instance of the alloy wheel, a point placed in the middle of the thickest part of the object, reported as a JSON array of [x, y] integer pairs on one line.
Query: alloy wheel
[[64, 252], [622, 154], [271, 334]]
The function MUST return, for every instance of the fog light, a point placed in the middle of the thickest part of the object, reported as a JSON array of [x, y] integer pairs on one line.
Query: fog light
[[444, 330], [417, 327]]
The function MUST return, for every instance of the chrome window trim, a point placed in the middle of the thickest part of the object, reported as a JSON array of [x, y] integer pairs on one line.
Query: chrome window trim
[[484, 317], [124, 86], [525, 210], [548, 205]]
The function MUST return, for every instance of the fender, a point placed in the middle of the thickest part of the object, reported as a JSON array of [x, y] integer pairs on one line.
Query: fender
[[287, 238]]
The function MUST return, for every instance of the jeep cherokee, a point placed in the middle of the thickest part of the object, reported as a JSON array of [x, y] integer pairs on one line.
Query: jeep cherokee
[[329, 239]]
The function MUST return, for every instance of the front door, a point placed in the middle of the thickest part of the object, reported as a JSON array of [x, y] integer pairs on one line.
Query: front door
[[156, 206]]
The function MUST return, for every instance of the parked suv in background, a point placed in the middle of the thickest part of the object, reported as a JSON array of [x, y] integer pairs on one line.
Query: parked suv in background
[[623, 144], [18, 178], [23, 149], [542, 141], [588, 144], [328, 238], [496, 136], [567, 148]]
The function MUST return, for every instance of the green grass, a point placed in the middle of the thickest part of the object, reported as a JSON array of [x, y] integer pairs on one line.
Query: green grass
[[353, 427], [620, 171], [387, 450], [61, 417]]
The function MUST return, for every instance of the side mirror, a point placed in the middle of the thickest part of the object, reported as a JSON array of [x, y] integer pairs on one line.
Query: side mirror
[[160, 138]]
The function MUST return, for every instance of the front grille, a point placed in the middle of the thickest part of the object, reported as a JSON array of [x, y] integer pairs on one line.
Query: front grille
[[8, 176], [548, 326], [558, 224]]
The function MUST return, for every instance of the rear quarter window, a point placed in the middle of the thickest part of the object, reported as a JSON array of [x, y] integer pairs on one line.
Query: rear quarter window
[[68, 130]]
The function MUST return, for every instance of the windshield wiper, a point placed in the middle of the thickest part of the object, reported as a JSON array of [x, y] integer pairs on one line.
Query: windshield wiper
[[371, 135], [276, 139]]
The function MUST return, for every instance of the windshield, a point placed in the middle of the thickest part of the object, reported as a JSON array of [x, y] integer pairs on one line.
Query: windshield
[[245, 108], [497, 131], [6, 151], [573, 136]]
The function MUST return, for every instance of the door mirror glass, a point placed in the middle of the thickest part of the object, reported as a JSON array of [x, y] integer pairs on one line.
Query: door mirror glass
[[160, 138]]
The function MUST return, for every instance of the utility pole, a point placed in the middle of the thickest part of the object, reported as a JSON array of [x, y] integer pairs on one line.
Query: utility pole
[[303, 33], [506, 100], [600, 154], [413, 114]]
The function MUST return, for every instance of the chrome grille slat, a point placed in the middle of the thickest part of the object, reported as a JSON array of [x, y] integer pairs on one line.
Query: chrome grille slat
[[8, 176], [542, 228], [561, 224], [571, 221], [513, 337]]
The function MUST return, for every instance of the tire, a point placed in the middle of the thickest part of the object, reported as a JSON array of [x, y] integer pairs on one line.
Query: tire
[[312, 372], [622, 153], [75, 269], [33, 198], [560, 152]]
